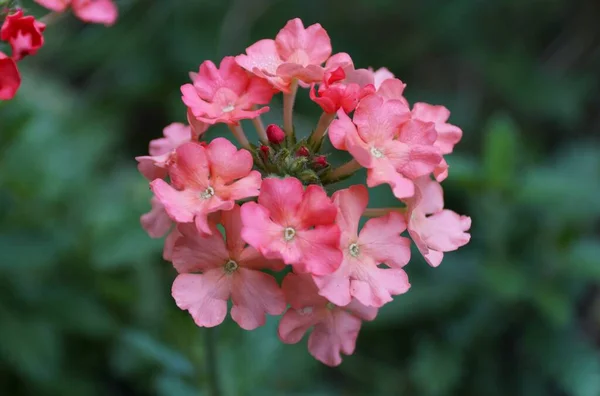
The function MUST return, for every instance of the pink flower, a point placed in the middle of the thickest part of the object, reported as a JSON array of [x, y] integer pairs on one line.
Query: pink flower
[[447, 134], [228, 269], [170, 244], [379, 241], [380, 75], [342, 86], [156, 222], [10, 78], [23, 33], [281, 225], [393, 150], [335, 329], [154, 166], [93, 11], [433, 229], [206, 180], [226, 94], [296, 53]]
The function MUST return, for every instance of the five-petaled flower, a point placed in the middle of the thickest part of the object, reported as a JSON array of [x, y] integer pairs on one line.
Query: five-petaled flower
[[213, 270], [227, 94], [296, 53], [205, 180], [335, 328], [294, 224]]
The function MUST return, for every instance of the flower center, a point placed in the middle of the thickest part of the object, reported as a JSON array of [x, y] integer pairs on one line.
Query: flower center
[[354, 250], [228, 109], [305, 311], [231, 266], [289, 233], [206, 194], [375, 152]]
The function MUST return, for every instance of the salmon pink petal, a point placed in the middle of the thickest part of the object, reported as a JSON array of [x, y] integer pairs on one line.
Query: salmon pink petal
[[334, 335], [153, 167], [156, 222], [254, 294], [447, 134], [351, 204], [442, 232], [376, 286], [335, 287], [245, 187], [180, 205], [315, 208], [319, 249], [191, 166], [339, 128], [96, 11], [392, 89], [384, 173], [440, 172], [175, 135], [195, 252], [227, 162], [380, 239], [429, 197], [301, 292], [281, 197], [204, 296], [262, 59], [380, 75], [198, 127], [307, 74], [296, 322], [10, 78], [378, 119], [170, 241], [295, 44], [232, 223], [250, 258], [361, 311]]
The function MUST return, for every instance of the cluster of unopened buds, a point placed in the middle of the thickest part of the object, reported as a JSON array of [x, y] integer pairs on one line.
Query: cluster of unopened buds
[[24, 34], [234, 216]]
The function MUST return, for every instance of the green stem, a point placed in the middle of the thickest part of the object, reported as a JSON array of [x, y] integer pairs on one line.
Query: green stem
[[260, 129], [342, 171], [210, 354], [288, 108], [321, 129], [378, 212], [239, 134]]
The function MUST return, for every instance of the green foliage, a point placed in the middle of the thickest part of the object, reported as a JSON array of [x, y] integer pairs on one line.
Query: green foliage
[[85, 305]]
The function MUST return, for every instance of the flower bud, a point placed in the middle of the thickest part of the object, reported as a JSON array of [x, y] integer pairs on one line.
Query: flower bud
[[320, 161], [264, 150], [302, 152], [275, 134]]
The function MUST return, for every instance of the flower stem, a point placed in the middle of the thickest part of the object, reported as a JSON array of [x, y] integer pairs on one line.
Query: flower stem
[[51, 17], [321, 129], [342, 171], [378, 212], [239, 134], [210, 355], [288, 108], [260, 130]]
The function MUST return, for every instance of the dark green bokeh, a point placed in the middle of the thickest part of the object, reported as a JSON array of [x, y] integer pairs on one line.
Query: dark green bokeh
[[85, 305]]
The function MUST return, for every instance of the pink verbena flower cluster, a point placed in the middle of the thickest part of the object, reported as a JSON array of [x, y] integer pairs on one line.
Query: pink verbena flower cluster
[[231, 214]]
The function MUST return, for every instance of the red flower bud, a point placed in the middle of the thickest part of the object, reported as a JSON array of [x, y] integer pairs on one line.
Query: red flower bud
[[275, 134], [302, 152], [265, 150], [320, 161]]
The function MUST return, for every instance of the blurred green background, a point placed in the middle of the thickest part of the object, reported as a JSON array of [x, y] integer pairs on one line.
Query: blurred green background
[[85, 305]]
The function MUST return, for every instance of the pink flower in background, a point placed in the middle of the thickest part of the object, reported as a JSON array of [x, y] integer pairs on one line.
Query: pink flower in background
[[213, 270], [206, 180], [23, 33], [296, 53], [342, 86], [379, 241], [433, 229], [227, 94], [10, 78], [294, 224], [335, 329], [447, 134], [154, 166], [394, 151], [93, 11]]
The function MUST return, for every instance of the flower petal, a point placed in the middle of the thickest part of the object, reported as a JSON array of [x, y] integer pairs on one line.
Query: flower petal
[[195, 252], [380, 239]]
